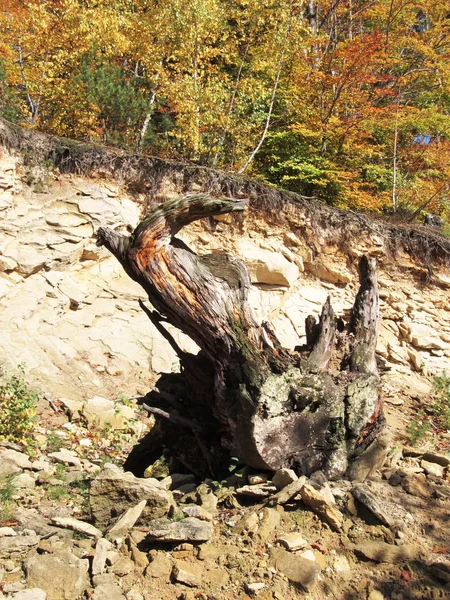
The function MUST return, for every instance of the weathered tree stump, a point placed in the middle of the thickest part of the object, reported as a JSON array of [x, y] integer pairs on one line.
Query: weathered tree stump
[[243, 394]]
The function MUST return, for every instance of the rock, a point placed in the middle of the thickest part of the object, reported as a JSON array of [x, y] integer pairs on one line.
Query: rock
[[24, 481], [370, 502], [199, 512], [160, 566], [341, 566], [292, 541], [126, 521], [424, 337], [441, 570], [257, 479], [7, 532], [69, 574], [318, 504], [266, 266], [331, 273], [31, 594], [112, 491], [435, 457], [283, 477], [217, 577], [207, 499], [416, 485], [102, 411], [18, 543], [187, 573], [372, 458], [375, 595], [296, 569], [254, 588], [66, 457], [270, 519], [102, 548], [123, 566], [388, 553], [175, 480], [134, 595], [432, 468], [77, 525], [187, 530], [12, 462], [248, 523], [256, 491], [108, 591], [289, 492]]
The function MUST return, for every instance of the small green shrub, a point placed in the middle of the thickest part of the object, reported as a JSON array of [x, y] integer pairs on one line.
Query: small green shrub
[[7, 489], [441, 402], [56, 492], [418, 429], [17, 407]]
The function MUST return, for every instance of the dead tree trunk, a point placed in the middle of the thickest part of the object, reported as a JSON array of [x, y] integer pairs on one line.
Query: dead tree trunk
[[243, 394]]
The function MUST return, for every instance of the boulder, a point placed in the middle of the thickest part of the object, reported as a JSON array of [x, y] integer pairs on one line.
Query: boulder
[[112, 492], [267, 266], [102, 411]]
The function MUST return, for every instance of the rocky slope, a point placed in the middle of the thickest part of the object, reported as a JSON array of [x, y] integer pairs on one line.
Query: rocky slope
[[70, 315]]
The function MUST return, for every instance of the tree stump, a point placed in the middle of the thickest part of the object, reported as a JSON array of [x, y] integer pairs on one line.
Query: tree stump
[[244, 395]]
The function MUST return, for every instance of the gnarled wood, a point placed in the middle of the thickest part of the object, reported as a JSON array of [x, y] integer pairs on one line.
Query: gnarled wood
[[244, 394]]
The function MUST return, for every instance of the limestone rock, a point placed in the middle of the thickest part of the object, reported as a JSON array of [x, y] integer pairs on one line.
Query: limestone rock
[[108, 591], [369, 501], [77, 525], [66, 457], [12, 462], [187, 530], [69, 574], [266, 266], [160, 566], [187, 573], [31, 594], [297, 569], [18, 543], [126, 521], [316, 502], [283, 477], [102, 548], [292, 541], [112, 491], [102, 411]]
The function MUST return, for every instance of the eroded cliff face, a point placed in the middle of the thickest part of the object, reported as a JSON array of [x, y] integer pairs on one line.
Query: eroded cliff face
[[70, 314]]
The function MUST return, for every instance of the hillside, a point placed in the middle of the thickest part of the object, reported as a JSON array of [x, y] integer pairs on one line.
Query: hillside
[[70, 315]]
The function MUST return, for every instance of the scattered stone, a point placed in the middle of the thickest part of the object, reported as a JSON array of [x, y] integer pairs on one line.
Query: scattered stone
[[31, 594], [432, 468], [257, 479], [262, 490], [160, 566], [187, 573], [102, 411], [341, 565], [248, 523], [126, 521], [112, 491], [283, 477], [370, 502], [289, 492], [372, 458], [416, 485], [296, 568], [318, 504], [199, 512], [375, 595], [24, 481], [176, 480], [66, 457], [395, 479], [388, 553], [7, 532], [76, 525], [441, 570], [108, 591], [254, 588], [207, 499], [102, 548], [292, 541], [270, 519], [18, 543], [123, 566], [187, 530], [69, 574], [12, 462]]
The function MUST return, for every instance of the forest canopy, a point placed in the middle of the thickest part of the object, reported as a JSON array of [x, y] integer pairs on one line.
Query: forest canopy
[[344, 100]]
